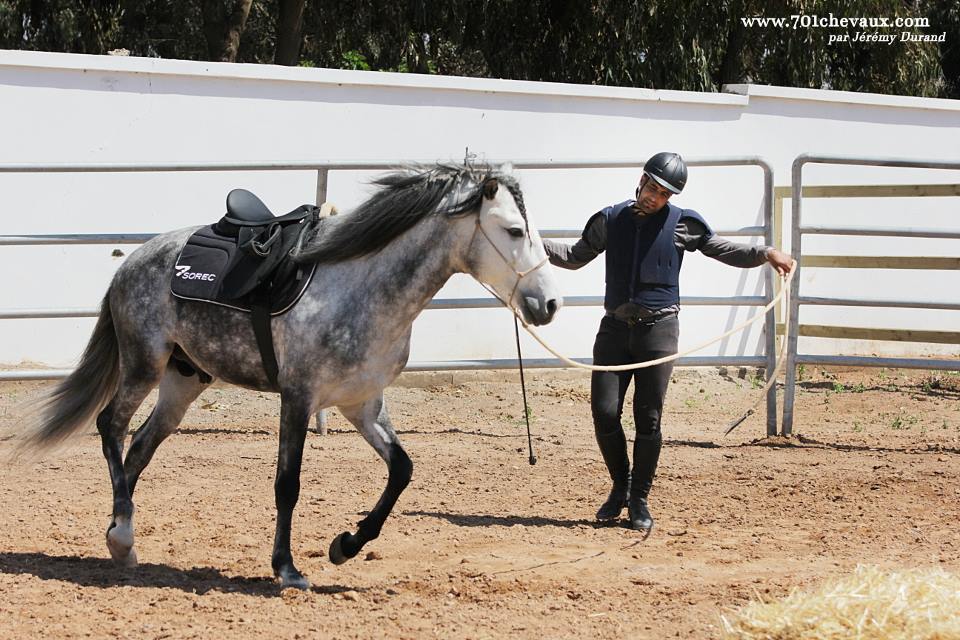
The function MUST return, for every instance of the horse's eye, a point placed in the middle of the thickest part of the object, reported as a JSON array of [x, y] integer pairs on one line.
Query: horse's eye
[[515, 232]]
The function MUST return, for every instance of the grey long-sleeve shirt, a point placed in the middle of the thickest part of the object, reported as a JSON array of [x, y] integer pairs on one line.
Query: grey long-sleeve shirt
[[690, 235]]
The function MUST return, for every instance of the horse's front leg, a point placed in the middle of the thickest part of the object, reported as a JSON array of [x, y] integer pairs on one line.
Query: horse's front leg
[[294, 419], [372, 421]]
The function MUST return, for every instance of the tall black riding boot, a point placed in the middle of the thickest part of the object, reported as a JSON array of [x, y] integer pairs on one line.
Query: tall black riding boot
[[646, 453], [613, 447]]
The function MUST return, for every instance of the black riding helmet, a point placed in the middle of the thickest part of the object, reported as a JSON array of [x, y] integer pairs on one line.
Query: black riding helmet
[[668, 169]]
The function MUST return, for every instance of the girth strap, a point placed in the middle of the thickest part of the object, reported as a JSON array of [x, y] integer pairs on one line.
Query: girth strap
[[260, 316]]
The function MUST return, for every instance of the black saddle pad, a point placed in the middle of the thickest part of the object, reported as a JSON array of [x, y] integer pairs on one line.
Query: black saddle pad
[[217, 265]]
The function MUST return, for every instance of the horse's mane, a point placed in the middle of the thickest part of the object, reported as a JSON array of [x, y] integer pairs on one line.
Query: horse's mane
[[405, 198]]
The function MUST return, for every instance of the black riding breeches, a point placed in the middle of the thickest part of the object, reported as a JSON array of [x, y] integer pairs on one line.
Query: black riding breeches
[[619, 343]]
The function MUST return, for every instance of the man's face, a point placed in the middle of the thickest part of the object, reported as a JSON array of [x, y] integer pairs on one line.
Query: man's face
[[651, 196]]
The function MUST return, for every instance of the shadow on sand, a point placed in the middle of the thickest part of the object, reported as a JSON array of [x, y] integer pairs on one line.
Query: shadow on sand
[[799, 441], [104, 574], [471, 520]]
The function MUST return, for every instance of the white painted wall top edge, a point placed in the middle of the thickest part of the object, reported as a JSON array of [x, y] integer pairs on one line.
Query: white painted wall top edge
[[225, 70], [847, 97], [732, 95]]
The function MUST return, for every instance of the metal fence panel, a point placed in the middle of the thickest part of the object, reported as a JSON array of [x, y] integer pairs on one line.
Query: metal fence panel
[[768, 360], [798, 192]]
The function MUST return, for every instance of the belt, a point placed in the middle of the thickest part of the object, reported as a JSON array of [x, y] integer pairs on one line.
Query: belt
[[644, 321]]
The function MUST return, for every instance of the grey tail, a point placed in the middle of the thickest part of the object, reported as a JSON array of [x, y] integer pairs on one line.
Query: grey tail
[[76, 400]]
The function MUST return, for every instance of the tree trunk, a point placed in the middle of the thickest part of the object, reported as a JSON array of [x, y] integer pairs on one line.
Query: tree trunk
[[222, 25], [732, 67], [289, 28]]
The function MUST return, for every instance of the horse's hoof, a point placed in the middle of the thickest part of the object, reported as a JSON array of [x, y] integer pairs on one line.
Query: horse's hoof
[[125, 557], [336, 553], [120, 543], [293, 580]]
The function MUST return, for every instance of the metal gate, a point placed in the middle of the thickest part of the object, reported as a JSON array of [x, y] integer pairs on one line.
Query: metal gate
[[863, 262]]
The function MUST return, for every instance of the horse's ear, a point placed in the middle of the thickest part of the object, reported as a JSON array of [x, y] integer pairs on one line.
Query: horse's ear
[[506, 168], [490, 188]]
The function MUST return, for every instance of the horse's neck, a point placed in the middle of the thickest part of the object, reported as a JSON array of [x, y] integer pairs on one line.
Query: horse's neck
[[406, 274]]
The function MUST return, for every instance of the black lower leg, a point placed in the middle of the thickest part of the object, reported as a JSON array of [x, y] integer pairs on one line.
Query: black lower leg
[[400, 472], [112, 445], [139, 454], [650, 389], [613, 448], [286, 493], [607, 391], [646, 454], [293, 431]]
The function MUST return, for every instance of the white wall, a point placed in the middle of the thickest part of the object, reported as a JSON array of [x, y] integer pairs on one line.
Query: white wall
[[59, 108]]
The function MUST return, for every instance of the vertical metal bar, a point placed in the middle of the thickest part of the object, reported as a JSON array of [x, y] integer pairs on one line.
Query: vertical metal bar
[[322, 175], [770, 324], [790, 388], [780, 243], [321, 422]]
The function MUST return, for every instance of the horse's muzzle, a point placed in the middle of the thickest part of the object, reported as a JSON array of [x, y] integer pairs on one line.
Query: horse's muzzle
[[538, 312]]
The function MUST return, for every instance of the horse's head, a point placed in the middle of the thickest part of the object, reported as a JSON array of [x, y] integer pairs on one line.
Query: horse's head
[[507, 255]]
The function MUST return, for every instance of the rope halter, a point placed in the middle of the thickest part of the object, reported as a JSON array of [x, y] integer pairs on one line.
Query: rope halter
[[520, 274]]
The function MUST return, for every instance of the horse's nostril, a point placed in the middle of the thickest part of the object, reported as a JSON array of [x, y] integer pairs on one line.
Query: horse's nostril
[[551, 307]]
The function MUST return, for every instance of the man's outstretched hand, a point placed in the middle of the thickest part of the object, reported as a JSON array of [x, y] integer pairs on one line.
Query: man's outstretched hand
[[780, 261]]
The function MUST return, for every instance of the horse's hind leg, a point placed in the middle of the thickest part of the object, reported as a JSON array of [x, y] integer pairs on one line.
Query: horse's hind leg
[[177, 392], [139, 374], [372, 421]]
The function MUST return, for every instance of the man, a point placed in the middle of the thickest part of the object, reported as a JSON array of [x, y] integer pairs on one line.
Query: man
[[644, 240]]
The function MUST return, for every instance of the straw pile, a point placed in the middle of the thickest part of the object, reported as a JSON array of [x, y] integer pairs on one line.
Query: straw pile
[[921, 604]]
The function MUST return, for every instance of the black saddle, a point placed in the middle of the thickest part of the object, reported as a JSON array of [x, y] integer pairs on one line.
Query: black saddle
[[243, 262], [245, 207]]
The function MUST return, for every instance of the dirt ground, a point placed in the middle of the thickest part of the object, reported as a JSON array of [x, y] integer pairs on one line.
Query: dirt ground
[[482, 545]]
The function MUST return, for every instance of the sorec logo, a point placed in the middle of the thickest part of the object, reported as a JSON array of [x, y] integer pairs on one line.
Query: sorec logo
[[183, 272]]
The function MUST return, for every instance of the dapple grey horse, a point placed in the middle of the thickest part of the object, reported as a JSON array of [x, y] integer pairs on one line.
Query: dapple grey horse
[[346, 339]]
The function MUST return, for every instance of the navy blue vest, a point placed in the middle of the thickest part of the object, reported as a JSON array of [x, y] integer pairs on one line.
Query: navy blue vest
[[643, 262]]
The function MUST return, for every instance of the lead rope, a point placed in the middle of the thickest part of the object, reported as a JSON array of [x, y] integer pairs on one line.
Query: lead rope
[[523, 388], [781, 357], [786, 282], [784, 294]]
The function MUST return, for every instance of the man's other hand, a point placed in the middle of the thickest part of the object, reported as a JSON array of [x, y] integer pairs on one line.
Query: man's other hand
[[780, 261]]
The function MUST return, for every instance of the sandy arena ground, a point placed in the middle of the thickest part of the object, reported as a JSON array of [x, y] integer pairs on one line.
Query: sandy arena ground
[[482, 545]]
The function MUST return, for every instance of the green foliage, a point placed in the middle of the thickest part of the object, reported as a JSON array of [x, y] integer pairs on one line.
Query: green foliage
[[659, 44], [355, 60], [59, 25]]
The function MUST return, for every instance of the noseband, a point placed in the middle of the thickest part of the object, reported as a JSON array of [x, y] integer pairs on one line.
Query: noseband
[[520, 274]]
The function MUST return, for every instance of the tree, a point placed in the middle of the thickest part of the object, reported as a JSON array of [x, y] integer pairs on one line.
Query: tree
[[223, 22], [695, 45], [289, 32], [945, 18]]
